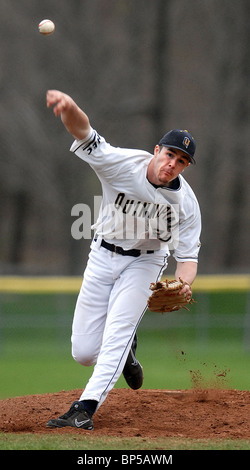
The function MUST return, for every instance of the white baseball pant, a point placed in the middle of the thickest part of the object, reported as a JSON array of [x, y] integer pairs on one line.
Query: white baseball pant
[[110, 305]]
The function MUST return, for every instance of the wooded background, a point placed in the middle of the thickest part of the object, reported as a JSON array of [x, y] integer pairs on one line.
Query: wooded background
[[138, 68]]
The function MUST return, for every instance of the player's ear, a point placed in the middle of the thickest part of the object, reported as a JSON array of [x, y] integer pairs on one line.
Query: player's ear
[[157, 150], [187, 164]]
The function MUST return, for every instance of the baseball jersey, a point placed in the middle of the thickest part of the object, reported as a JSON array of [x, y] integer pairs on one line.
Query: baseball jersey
[[134, 213]]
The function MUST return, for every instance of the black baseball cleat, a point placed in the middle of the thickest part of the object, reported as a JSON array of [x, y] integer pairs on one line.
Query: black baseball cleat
[[76, 417], [132, 371]]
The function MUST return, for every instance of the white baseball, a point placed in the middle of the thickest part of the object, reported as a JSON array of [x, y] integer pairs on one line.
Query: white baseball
[[46, 27]]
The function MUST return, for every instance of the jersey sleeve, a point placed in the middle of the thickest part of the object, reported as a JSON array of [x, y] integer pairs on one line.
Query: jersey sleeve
[[92, 149], [188, 245], [106, 160], [103, 158]]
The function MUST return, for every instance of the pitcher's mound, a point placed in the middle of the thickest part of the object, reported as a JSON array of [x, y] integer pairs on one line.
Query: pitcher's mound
[[203, 414]]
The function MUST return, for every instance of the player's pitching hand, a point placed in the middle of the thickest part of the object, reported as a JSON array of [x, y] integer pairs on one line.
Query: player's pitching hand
[[60, 101], [73, 118]]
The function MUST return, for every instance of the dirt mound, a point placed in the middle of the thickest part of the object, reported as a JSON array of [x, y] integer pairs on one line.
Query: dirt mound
[[193, 413]]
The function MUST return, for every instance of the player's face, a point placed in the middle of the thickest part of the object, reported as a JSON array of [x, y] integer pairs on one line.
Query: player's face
[[168, 163]]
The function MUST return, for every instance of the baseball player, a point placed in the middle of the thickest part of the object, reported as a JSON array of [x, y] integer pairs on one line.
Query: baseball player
[[148, 210]]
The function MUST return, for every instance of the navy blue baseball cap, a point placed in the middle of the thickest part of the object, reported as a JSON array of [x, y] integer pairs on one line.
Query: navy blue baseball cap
[[182, 140]]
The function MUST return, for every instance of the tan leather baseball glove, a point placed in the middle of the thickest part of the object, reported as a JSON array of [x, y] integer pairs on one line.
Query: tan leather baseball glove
[[166, 296]]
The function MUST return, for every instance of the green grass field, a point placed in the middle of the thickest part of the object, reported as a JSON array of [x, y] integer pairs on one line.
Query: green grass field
[[26, 441], [167, 365], [35, 358]]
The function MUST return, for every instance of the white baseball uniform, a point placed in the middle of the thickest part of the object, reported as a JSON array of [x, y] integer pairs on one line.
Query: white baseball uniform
[[135, 215]]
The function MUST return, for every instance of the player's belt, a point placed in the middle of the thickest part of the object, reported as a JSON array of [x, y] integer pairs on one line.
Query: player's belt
[[120, 251]]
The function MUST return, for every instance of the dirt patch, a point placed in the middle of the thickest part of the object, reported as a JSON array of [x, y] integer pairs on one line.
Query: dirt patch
[[208, 413]]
